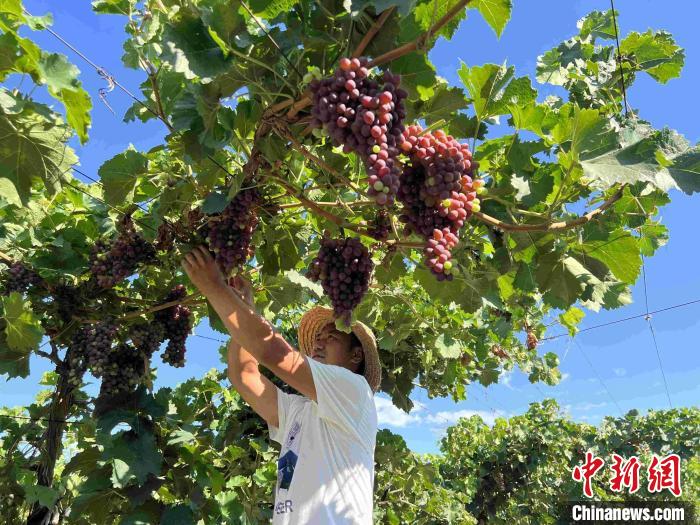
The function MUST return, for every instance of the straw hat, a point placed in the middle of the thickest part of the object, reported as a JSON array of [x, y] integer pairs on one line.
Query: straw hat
[[318, 317]]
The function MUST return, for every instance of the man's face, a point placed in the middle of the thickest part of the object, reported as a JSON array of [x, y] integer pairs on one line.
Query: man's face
[[333, 347]]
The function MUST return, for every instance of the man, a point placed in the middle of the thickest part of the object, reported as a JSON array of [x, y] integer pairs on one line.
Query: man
[[325, 472]]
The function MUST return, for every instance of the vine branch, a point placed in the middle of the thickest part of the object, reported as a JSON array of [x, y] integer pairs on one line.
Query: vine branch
[[551, 226], [372, 32], [417, 44]]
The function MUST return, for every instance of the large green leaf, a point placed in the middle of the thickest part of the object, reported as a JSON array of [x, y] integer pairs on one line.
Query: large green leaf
[[495, 12], [131, 456], [619, 251], [560, 278], [23, 331], [190, 49], [272, 8], [662, 158], [654, 52], [113, 7], [120, 174], [493, 90], [33, 146]]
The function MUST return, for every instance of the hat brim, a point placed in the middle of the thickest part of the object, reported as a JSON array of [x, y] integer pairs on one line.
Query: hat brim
[[318, 317]]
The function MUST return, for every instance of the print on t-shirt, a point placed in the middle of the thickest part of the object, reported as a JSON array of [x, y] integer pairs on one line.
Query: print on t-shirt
[[288, 460]]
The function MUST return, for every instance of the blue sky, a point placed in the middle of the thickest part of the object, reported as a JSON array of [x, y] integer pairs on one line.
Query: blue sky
[[624, 371]]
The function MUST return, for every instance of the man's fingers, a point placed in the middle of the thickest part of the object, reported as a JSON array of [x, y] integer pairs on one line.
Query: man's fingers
[[197, 254], [191, 260], [205, 253]]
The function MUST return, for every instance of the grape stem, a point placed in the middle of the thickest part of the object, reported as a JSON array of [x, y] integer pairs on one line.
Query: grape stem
[[409, 47], [285, 133], [332, 204], [552, 226], [53, 356], [372, 32]]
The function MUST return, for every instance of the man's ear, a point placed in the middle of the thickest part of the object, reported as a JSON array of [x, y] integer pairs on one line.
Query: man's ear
[[357, 355]]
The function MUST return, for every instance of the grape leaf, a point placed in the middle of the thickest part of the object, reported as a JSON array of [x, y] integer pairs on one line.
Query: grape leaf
[[78, 105], [23, 332], [448, 347], [485, 85], [46, 496], [619, 252], [112, 7], [33, 145], [654, 52], [8, 193], [120, 174], [495, 12], [190, 49], [637, 159], [270, 9], [598, 24], [426, 13], [571, 319], [560, 278], [131, 456]]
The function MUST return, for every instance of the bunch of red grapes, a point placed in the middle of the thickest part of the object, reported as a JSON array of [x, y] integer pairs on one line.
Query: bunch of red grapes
[[111, 262], [364, 116], [229, 234], [438, 193], [344, 268], [177, 324]]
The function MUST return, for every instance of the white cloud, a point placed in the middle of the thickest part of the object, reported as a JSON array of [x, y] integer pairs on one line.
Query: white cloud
[[585, 407], [619, 372], [388, 414], [505, 379], [565, 376], [446, 418]]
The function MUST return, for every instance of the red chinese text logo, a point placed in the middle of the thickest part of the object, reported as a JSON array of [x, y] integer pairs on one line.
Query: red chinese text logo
[[587, 471], [663, 473]]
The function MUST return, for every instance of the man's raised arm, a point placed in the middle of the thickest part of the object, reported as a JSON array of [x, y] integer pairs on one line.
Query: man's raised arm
[[247, 328]]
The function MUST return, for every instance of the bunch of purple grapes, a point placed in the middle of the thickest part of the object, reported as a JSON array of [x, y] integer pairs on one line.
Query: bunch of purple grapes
[[366, 117], [380, 227], [125, 370], [147, 337], [110, 263], [91, 348], [229, 234], [177, 324], [344, 268], [19, 278]]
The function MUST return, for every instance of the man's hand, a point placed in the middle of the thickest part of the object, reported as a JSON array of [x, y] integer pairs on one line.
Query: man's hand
[[203, 271]]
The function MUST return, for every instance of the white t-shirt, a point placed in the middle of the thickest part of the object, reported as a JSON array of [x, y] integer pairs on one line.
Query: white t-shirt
[[325, 471]]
